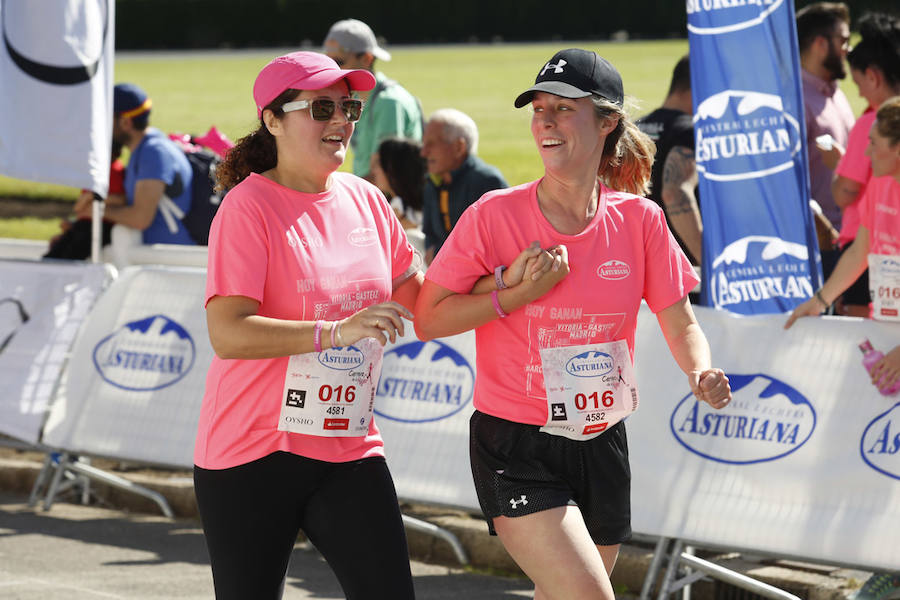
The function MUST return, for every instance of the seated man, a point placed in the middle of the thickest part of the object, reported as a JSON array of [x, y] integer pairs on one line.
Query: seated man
[[158, 176], [456, 177]]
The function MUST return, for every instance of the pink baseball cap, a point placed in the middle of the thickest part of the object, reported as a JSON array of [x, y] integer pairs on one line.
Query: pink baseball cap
[[304, 71]]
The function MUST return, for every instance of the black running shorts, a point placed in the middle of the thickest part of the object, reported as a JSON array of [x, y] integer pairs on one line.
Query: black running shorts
[[519, 470]]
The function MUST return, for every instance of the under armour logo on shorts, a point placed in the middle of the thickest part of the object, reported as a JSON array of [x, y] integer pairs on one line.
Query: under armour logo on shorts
[[515, 503], [557, 68]]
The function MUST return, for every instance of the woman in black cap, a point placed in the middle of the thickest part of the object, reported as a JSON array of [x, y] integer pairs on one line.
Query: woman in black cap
[[555, 330]]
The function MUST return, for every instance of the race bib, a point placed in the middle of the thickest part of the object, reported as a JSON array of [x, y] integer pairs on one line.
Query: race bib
[[884, 286], [589, 388], [332, 393]]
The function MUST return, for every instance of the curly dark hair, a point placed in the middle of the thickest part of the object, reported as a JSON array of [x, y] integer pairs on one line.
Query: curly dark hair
[[255, 152], [403, 165]]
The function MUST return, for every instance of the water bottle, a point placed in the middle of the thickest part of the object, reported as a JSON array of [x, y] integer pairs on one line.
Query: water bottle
[[872, 356]]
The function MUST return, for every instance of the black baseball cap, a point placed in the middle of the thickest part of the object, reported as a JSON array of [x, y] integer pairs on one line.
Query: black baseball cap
[[576, 73]]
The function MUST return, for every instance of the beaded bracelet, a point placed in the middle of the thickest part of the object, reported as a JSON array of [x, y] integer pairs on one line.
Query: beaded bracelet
[[317, 335], [821, 299], [498, 277], [496, 300]]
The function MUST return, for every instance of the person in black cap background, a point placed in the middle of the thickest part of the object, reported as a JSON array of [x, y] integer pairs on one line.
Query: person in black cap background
[[158, 176], [555, 324]]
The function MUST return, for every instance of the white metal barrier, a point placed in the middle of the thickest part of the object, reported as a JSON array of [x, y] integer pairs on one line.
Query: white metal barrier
[[42, 307], [803, 464]]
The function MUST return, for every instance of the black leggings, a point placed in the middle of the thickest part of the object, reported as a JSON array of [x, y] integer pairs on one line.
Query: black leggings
[[252, 514]]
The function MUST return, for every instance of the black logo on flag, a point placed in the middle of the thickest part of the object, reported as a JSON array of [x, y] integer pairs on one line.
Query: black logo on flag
[[296, 398], [55, 74], [559, 411]]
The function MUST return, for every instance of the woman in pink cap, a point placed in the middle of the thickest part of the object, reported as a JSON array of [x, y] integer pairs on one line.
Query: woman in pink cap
[[309, 275], [555, 346]]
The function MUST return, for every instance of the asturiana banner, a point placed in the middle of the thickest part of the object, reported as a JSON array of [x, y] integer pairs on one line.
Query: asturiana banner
[[760, 253]]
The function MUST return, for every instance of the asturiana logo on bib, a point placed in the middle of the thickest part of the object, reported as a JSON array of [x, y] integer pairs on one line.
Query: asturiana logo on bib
[[145, 355], [613, 270], [342, 359], [711, 17], [423, 381], [757, 268], [590, 364], [880, 443], [363, 236], [767, 420], [745, 135]]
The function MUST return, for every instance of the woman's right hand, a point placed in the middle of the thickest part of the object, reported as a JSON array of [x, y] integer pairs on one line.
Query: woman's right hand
[[531, 264], [380, 321], [544, 271]]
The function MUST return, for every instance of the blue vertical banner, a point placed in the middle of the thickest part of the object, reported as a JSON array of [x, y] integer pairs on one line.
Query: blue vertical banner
[[760, 252]]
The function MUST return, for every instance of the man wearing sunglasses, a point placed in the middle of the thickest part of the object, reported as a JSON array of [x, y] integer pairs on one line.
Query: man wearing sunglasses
[[391, 111], [823, 35]]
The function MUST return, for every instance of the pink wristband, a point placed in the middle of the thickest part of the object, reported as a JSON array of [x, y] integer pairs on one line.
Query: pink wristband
[[317, 335], [496, 300]]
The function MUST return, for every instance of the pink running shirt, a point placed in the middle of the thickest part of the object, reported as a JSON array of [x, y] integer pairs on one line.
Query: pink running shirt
[[880, 213], [625, 254], [855, 165], [301, 256]]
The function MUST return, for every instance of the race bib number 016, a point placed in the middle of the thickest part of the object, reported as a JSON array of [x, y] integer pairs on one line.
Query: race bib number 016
[[884, 284], [332, 393], [589, 388]]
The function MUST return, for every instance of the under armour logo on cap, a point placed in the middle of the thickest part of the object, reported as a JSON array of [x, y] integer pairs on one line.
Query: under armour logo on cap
[[557, 68], [586, 73]]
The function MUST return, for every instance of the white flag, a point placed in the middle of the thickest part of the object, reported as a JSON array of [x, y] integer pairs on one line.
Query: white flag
[[56, 74]]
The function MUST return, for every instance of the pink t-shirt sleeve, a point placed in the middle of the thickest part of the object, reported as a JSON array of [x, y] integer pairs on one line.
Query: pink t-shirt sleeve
[[464, 257], [236, 269], [855, 164], [669, 274]]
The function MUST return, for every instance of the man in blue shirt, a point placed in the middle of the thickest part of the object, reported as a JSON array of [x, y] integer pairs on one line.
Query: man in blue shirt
[[158, 176]]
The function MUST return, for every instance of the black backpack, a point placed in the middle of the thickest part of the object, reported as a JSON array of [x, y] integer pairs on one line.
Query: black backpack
[[205, 199]]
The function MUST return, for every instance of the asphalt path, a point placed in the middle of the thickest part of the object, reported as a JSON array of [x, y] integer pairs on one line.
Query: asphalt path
[[76, 552]]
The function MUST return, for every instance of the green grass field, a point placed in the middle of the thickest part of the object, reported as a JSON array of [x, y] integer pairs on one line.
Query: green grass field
[[192, 91]]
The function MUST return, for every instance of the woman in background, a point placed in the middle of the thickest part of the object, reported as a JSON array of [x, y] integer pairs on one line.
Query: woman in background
[[399, 171]]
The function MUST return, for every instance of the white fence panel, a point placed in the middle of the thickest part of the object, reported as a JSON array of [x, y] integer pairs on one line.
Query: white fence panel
[[135, 383], [42, 306]]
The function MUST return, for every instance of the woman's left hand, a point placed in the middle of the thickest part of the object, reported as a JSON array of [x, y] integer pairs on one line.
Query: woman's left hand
[[810, 308], [711, 386], [886, 371]]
